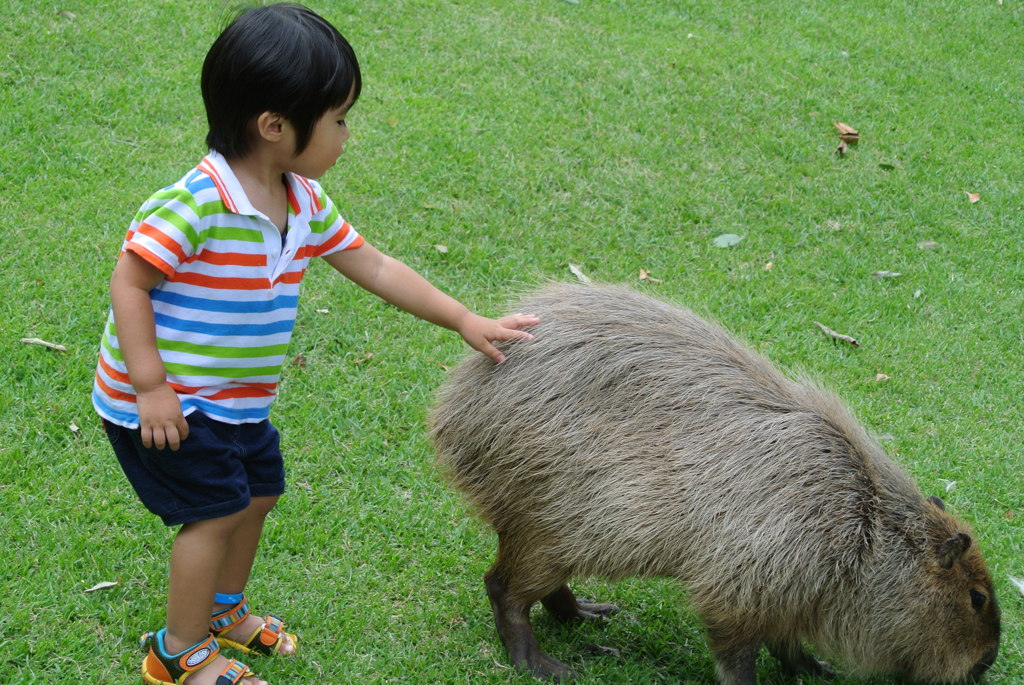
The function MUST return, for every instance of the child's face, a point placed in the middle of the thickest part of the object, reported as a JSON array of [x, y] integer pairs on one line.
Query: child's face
[[325, 145]]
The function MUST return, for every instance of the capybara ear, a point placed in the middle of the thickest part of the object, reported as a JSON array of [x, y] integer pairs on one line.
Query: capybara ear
[[937, 501], [953, 548]]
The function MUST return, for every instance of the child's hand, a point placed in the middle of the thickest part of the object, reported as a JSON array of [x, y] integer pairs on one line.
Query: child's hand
[[161, 422], [480, 332]]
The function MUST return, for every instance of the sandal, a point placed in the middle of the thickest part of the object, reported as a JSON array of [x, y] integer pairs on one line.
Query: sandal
[[267, 639], [161, 668]]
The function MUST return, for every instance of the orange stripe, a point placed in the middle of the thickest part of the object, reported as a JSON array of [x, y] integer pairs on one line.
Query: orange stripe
[[207, 168], [220, 282], [231, 258], [154, 233], [113, 394], [290, 277], [150, 258], [233, 393], [338, 238], [119, 376], [317, 206], [293, 201]]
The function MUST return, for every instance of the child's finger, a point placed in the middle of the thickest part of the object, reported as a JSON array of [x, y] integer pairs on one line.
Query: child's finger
[[519, 320]]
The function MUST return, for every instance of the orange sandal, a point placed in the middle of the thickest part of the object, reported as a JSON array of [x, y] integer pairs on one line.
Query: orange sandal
[[161, 668], [267, 639]]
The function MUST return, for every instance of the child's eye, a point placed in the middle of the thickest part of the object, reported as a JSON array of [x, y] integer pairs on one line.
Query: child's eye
[[341, 122]]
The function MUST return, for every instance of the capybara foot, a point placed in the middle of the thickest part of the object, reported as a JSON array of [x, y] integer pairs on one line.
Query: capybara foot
[[543, 667], [563, 605], [590, 611], [795, 661]]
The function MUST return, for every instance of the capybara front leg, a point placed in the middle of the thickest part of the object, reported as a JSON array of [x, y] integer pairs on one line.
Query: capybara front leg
[[735, 656], [563, 605], [512, 619], [796, 661]]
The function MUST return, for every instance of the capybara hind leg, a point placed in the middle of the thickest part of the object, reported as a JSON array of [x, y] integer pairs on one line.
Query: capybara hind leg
[[735, 657], [512, 619], [796, 661], [563, 605]]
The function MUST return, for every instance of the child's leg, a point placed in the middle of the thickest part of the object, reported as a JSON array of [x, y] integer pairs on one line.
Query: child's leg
[[241, 549], [197, 558], [238, 564]]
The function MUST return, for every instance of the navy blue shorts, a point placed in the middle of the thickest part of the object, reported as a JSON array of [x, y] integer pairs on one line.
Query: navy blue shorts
[[216, 471]]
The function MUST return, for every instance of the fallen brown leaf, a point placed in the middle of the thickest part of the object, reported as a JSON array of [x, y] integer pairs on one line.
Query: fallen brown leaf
[[974, 197], [645, 276], [847, 133]]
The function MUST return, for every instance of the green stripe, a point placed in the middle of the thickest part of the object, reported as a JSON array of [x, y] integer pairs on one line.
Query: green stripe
[[322, 225], [245, 235], [218, 352], [215, 352], [185, 370]]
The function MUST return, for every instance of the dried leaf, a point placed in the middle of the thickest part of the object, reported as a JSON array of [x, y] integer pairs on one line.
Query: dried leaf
[[727, 240], [102, 586], [74, 428], [578, 273], [43, 343], [368, 357], [1019, 583], [322, 311], [443, 249], [847, 133], [927, 244], [299, 361], [837, 336], [841, 148], [879, 275], [768, 266], [881, 377], [645, 276], [974, 197], [917, 294]]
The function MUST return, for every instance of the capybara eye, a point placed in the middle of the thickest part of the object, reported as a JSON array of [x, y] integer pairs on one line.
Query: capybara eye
[[977, 600]]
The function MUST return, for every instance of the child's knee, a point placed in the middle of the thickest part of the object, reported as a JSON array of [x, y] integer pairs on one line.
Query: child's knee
[[261, 506]]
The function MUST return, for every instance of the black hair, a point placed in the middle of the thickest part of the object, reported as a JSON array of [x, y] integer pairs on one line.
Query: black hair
[[282, 58]]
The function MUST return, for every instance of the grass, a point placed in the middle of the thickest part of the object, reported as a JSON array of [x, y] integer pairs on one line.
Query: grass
[[523, 136]]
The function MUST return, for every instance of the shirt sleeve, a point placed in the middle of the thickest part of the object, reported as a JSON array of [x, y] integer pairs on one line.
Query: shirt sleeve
[[334, 233], [163, 231]]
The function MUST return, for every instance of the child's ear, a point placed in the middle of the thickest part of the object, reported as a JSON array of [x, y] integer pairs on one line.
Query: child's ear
[[270, 126]]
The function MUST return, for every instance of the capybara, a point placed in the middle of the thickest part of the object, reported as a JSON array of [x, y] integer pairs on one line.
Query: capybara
[[632, 437]]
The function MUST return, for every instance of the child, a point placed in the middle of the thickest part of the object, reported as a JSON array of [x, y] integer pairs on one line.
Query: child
[[203, 299]]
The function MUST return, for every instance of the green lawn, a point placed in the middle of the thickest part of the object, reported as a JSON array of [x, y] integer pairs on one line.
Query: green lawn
[[524, 136]]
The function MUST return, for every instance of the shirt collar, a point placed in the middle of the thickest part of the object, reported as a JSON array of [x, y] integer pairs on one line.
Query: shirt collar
[[302, 197]]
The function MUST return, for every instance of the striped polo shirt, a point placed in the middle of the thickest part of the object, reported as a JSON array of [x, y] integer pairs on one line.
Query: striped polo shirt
[[226, 308]]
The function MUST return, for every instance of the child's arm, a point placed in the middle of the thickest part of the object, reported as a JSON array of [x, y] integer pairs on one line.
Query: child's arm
[[398, 284], [160, 419]]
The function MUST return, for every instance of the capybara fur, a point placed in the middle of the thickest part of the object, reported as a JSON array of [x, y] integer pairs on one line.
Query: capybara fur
[[632, 437]]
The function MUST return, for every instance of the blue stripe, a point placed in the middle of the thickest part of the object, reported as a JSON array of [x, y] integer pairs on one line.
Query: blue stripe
[[224, 329], [244, 307], [214, 410], [197, 180], [119, 417]]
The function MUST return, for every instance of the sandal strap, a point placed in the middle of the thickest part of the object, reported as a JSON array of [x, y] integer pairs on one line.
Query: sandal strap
[[229, 618], [232, 673], [159, 663], [270, 634]]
